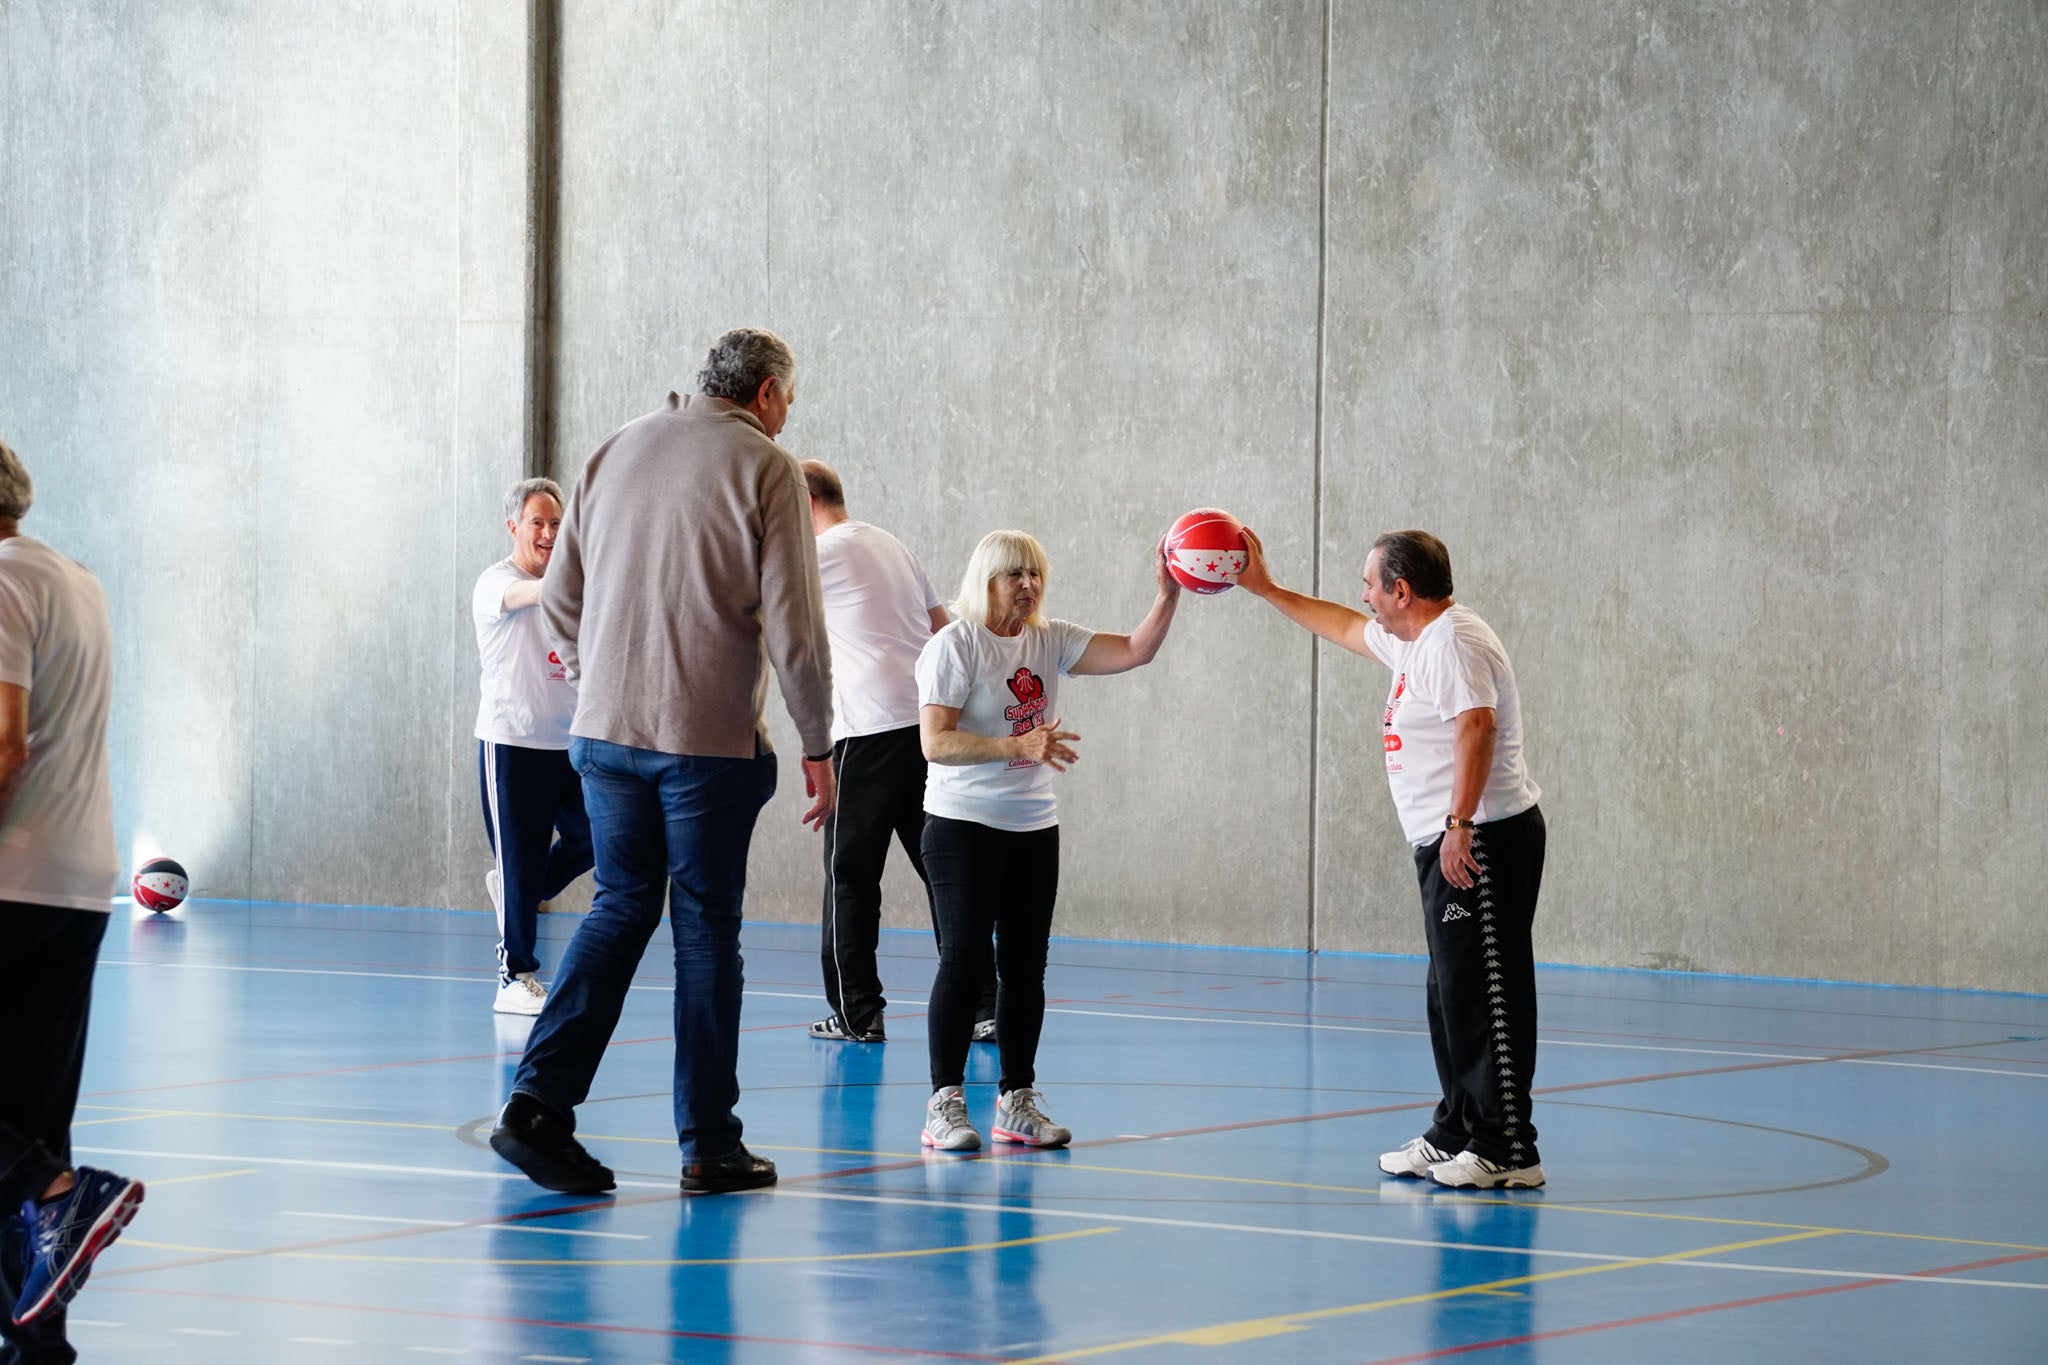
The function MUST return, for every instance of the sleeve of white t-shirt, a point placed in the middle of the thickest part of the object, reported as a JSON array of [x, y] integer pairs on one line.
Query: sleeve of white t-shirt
[[924, 583], [1463, 677], [1382, 643], [17, 636], [945, 669], [489, 600], [1072, 641]]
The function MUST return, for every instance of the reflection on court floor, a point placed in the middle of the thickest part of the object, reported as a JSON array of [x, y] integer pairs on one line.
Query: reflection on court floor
[[1739, 1169]]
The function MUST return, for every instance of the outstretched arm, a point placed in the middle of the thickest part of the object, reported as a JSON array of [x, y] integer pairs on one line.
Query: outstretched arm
[[1122, 653], [1333, 621]]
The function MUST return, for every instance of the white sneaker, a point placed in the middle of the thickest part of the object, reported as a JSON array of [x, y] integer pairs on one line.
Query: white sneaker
[[945, 1122], [523, 994], [1415, 1158], [494, 887], [1019, 1119], [1471, 1171]]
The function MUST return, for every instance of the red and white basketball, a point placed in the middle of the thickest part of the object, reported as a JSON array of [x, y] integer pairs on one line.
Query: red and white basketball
[[1205, 551], [160, 885]]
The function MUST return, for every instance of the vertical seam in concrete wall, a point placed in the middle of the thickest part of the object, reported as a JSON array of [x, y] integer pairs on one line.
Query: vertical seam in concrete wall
[[543, 151], [1315, 558], [1955, 114], [452, 501]]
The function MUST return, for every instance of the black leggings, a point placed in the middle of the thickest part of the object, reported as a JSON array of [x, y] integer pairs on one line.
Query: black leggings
[[982, 878]]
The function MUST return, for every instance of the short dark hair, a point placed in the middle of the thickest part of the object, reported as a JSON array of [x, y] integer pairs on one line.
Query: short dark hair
[[823, 481], [740, 360], [1418, 557]]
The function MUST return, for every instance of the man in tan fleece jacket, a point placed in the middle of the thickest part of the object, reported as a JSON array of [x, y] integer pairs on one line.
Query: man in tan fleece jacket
[[684, 567]]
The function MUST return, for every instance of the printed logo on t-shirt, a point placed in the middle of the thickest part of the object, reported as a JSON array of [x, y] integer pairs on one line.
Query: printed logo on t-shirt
[[557, 670], [1392, 741], [1029, 712]]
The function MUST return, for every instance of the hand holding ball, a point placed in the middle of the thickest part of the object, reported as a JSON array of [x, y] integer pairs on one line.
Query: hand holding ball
[[160, 885], [1205, 551]]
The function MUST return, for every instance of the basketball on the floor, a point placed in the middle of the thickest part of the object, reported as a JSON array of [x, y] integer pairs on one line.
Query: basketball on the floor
[[1205, 551], [161, 884]]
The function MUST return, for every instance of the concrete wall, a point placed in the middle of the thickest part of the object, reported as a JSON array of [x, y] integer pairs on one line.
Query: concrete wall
[[262, 272], [1710, 336]]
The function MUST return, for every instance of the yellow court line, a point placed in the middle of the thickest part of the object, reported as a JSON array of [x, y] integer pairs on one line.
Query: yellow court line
[[1252, 1329], [1378, 1194], [189, 1179], [605, 1261]]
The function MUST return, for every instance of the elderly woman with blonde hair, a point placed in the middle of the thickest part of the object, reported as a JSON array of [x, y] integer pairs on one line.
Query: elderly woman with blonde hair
[[988, 695]]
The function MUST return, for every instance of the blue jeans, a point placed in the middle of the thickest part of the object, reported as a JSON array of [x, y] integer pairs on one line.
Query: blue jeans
[[675, 823]]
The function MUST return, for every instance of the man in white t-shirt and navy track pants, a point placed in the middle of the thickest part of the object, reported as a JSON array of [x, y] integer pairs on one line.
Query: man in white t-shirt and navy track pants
[[879, 612], [57, 873], [522, 728], [1452, 736]]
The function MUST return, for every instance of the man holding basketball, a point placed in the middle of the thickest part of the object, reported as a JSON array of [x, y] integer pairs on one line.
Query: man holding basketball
[[1453, 744]]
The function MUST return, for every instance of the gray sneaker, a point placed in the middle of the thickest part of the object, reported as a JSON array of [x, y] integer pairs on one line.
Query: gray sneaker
[[945, 1122], [1019, 1119]]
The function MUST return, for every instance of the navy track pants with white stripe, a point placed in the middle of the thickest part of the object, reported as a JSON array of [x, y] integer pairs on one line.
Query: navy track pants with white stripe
[[528, 795]]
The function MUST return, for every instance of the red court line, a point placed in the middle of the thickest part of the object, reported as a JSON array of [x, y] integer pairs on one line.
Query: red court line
[[668, 1333], [1676, 1313]]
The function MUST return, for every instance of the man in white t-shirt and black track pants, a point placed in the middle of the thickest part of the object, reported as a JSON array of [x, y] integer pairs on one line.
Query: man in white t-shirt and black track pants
[[530, 792], [57, 874], [1453, 744], [879, 612]]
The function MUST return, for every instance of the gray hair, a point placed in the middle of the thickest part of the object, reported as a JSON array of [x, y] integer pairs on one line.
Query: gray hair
[[515, 498], [741, 359], [1418, 557], [16, 489]]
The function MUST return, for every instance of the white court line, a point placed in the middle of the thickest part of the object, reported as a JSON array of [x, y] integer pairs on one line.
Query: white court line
[[457, 1223], [1866, 1274], [373, 1167], [1304, 1024], [1534, 1253], [202, 1332], [91, 1322]]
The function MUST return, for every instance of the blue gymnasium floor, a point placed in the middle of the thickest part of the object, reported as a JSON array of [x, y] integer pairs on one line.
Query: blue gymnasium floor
[[1739, 1170]]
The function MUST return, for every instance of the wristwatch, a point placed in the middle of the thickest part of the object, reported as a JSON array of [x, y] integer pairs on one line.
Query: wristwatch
[[817, 758], [1453, 822]]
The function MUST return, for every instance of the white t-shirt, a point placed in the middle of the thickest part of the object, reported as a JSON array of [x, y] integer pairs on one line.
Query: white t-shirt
[[57, 838], [1003, 685], [528, 699], [1454, 665], [878, 613]]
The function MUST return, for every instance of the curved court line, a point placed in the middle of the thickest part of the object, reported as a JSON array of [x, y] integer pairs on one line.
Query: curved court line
[[909, 1253]]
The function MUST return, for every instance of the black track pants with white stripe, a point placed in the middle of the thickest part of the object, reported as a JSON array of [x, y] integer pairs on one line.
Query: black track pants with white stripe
[[1482, 991]]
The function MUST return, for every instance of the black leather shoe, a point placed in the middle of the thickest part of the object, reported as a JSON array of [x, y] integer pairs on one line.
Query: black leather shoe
[[738, 1169], [543, 1144]]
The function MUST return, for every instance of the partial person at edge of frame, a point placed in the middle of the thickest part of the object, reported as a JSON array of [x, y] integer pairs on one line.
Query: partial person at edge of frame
[[58, 868], [687, 537], [1453, 746], [880, 611], [988, 694], [528, 787]]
